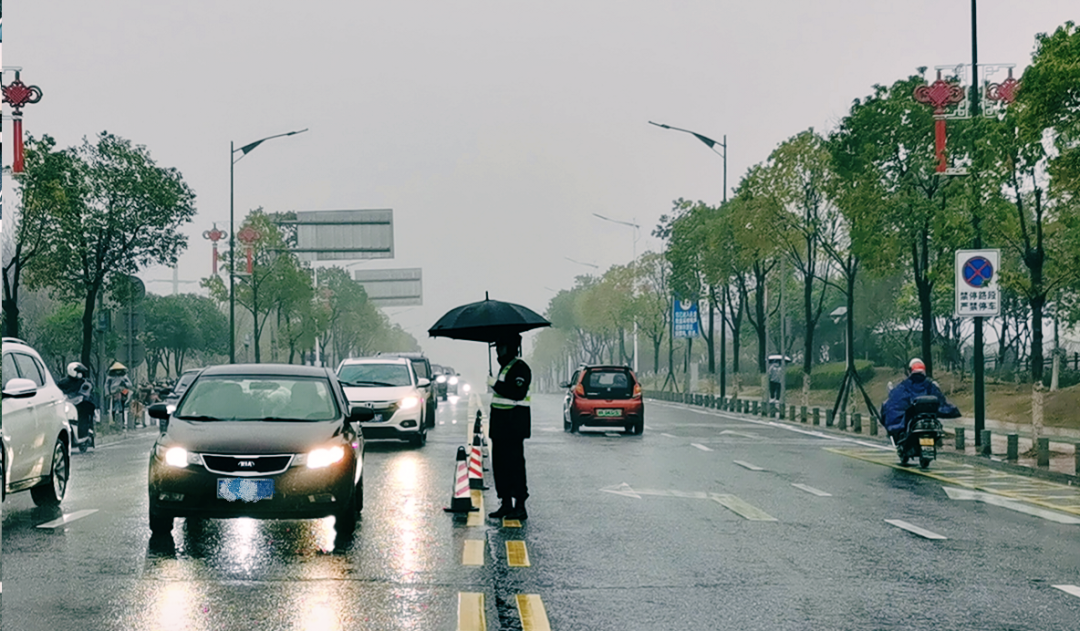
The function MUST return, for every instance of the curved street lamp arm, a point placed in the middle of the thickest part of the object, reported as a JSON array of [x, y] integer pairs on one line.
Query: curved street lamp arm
[[248, 148]]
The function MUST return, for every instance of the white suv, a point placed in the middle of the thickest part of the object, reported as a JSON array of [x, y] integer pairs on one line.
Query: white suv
[[390, 387], [36, 428]]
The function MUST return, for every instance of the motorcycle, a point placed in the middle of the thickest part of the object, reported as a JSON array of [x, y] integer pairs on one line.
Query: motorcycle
[[83, 402], [922, 433]]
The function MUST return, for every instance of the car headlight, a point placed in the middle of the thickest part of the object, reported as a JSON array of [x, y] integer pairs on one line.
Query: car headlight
[[466, 387], [453, 381], [440, 379], [176, 456], [410, 402], [320, 458]]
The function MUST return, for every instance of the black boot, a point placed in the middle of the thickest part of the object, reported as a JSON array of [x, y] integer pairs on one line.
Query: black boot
[[519, 513], [504, 510]]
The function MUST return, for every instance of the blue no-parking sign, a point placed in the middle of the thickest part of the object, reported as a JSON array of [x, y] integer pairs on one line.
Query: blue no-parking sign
[[977, 293]]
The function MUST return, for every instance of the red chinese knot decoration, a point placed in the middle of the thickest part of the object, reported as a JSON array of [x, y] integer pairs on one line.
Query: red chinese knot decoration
[[248, 236], [18, 94], [1004, 92], [940, 94], [214, 236]]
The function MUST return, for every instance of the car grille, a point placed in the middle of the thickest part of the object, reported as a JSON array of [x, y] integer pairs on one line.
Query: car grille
[[246, 465], [386, 408]]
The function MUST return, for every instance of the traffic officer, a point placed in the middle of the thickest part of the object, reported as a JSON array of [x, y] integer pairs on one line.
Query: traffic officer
[[511, 424]]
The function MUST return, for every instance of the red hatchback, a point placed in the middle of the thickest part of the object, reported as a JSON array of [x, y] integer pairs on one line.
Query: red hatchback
[[604, 396]]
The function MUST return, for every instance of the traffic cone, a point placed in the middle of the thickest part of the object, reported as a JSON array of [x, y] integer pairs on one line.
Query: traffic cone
[[476, 465], [478, 428], [461, 501]]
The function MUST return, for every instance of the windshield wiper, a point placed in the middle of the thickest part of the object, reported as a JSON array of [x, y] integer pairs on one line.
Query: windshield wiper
[[199, 417], [382, 384]]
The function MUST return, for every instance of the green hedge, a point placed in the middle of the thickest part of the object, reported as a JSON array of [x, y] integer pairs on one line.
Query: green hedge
[[827, 376]]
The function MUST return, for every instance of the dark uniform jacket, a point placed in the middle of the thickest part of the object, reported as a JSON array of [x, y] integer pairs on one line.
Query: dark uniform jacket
[[517, 421]]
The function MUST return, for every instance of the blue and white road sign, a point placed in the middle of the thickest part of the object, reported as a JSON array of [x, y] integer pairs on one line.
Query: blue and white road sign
[[977, 293], [686, 318]]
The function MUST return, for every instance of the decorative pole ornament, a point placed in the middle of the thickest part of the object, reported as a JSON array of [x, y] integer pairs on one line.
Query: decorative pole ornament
[[214, 236], [1004, 92], [249, 236], [18, 94], [940, 95]]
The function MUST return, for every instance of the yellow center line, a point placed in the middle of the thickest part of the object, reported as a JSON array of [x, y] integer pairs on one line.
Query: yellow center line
[[516, 554], [471, 612], [511, 523], [532, 612], [476, 517], [473, 554]]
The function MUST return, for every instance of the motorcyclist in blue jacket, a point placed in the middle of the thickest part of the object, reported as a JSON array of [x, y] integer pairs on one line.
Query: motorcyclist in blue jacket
[[902, 396]]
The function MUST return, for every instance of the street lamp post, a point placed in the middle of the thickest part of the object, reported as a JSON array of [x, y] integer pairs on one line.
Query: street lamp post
[[712, 144], [246, 149], [633, 263]]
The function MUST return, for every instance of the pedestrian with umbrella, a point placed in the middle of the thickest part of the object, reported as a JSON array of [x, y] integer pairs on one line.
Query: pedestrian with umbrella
[[501, 323]]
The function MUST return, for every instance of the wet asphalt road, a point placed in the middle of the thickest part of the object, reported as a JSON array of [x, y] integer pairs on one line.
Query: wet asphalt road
[[625, 532]]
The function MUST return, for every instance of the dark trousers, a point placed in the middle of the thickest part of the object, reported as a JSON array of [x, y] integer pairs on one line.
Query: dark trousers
[[508, 467], [774, 389]]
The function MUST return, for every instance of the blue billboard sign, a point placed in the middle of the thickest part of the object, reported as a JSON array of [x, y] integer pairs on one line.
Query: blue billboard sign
[[686, 318]]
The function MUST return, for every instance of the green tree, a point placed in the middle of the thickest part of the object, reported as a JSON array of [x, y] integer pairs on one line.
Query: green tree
[[122, 212], [57, 336]]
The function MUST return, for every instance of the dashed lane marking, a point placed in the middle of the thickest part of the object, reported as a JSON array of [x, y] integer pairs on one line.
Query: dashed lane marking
[[812, 490], [1069, 589], [516, 554], [511, 523], [752, 467], [1011, 504], [476, 517], [470, 610], [669, 435], [1065, 498], [742, 508], [533, 615], [473, 554], [67, 519], [700, 446], [922, 532]]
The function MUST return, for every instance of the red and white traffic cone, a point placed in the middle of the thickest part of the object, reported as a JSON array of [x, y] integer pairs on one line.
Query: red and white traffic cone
[[476, 465], [462, 500]]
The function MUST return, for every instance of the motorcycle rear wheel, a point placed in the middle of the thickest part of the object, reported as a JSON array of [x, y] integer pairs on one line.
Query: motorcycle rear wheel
[[924, 463]]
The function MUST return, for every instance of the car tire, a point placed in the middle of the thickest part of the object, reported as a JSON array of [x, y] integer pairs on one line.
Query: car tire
[[360, 495], [345, 519], [160, 523], [3, 477], [574, 425], [639, 428], [419, 439], [51, 491]]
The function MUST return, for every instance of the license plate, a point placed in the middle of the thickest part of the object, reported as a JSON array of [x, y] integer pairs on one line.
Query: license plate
[[609, 413], [245, 489], [926, 442]]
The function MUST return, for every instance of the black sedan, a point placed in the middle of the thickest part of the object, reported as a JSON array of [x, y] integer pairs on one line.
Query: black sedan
[[264, 441]]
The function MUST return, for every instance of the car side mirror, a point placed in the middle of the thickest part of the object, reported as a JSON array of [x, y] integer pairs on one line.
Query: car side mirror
[[20, 389], [160, 411], [423, 382], [360, 414]]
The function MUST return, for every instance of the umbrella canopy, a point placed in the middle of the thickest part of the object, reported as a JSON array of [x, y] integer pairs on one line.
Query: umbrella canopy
[[487, 321]]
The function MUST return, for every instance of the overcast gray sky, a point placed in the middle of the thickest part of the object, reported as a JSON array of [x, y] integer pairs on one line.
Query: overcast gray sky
[[493, 129]]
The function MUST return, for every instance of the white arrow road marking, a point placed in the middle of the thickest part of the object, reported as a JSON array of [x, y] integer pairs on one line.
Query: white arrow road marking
[[810, 489], [700, 446], [68, 518], [752, 467], [922, 532], [1011, 504], [622, 489], [741, 508], [1069, 589], [669, 435]]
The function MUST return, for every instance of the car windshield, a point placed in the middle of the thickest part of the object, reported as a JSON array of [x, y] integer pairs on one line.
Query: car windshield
[[375, 375], [278, 397], [185, 381]]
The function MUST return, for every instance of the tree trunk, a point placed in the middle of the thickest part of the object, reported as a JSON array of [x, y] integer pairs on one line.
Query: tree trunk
[[11, 295], [1038, 303], [924, 287], [711, 338], [88, 323]]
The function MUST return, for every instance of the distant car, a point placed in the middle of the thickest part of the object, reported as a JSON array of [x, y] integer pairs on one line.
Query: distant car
[[439, 373], [604, 396], [453, 381], [268, 441], [182, 384], [394, 392], [422, 367], [35, 428]]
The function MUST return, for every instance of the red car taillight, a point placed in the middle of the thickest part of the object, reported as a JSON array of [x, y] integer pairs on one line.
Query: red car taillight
[[579, 390], [637, 391]]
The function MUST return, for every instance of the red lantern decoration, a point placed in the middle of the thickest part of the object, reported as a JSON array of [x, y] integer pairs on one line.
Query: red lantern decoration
[[249, 236], [214, 236], [18, 94], [939, 94]]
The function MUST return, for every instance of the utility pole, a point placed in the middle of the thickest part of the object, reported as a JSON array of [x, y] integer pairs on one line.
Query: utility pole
[[977, 355]]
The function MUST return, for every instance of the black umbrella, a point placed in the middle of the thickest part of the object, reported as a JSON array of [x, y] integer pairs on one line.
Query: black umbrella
[[487, 321]]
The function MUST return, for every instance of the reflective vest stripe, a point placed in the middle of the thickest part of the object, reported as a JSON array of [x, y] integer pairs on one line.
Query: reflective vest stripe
[[502, 403]]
